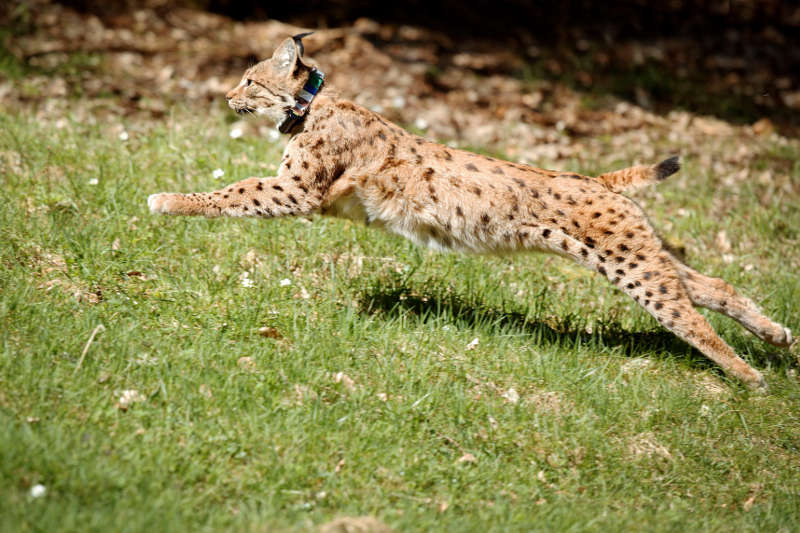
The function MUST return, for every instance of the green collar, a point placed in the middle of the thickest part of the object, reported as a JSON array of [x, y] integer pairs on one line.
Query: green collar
[[297, 113]]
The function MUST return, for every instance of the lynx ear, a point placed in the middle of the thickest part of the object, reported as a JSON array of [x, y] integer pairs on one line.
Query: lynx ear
[[285, 57]]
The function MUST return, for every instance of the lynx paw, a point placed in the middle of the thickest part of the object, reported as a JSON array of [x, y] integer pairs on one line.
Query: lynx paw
[[782, 338], [758, 385], [160, 203]]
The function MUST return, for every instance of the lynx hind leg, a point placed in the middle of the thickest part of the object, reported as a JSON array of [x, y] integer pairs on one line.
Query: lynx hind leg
[[663, 295], [627, 251], [718, 295], [647, 274]]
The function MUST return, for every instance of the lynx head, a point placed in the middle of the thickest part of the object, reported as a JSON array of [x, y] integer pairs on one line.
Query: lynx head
[[268, 88]]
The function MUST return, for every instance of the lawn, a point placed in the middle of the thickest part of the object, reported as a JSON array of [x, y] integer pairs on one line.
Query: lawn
[[273, 375]]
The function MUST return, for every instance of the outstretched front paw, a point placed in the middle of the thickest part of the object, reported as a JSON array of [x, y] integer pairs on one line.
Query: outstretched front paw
[[164, 203]]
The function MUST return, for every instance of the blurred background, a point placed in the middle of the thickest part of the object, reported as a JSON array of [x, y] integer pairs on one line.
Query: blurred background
[[474, 71]]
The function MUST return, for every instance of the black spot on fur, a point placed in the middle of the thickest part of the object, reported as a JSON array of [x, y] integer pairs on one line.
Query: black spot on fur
[[546, 233]]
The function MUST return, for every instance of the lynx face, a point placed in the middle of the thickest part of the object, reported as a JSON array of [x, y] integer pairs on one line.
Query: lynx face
[[268, 88]]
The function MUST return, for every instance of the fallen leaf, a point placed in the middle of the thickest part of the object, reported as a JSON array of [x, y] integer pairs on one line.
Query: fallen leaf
[[356, 524], [344, 379], [246, 363], [467, 458], [269, 332], [339, 466]]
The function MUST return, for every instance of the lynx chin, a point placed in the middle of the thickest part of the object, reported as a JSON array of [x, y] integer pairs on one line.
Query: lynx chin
[[344, 160]]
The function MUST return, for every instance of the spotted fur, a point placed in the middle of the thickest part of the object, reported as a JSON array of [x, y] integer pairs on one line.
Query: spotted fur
[[350, 162]]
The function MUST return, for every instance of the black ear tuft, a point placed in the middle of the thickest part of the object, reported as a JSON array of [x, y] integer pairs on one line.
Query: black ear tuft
[[298, 40]]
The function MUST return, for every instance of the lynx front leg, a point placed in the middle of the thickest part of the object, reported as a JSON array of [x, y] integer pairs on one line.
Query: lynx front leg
[[260, 197]]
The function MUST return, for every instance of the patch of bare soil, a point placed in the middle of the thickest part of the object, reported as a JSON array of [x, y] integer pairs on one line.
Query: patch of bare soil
[[141, 62]]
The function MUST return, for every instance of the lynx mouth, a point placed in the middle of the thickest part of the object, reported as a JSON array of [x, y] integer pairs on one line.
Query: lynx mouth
[[243, 110]]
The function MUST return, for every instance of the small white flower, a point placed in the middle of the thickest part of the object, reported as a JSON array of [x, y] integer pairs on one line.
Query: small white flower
[[37, 491], [378, 108], [421, 123], [285, 282], [245, 279], [123, 136], [218, 173], [274, 135], [128, 397], [511, 395], [236, 133], [93, 181], [473, 344], [705, 410], [398, 101]]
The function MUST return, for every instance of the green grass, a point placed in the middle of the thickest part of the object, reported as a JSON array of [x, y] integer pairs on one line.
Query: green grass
[[619, 426]]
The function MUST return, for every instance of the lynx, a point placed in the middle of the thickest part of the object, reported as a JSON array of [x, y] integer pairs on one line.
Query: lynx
[[344, 160]]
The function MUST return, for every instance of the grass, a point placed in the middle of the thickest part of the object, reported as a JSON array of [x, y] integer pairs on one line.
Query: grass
[[368, 395]]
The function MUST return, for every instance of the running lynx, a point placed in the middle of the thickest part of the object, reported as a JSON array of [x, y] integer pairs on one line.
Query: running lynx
[[345, 160]]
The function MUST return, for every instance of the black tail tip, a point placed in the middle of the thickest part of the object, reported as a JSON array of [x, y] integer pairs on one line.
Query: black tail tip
[[668, 167]]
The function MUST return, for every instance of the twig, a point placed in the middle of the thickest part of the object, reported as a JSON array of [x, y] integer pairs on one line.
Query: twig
[[97, 330]]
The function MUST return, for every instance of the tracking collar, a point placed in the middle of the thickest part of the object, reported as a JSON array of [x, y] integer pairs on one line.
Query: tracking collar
[[297, 113]]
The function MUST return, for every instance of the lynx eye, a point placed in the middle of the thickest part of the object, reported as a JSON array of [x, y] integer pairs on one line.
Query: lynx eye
[[249, 82]]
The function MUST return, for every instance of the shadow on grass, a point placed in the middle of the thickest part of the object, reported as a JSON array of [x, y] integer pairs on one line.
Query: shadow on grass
[[396, 299]]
